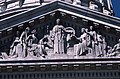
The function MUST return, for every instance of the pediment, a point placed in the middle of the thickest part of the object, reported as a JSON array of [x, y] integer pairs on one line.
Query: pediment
[[73, 19]]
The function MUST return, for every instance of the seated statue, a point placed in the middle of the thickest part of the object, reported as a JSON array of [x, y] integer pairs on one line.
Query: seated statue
[[81, 48], [13, 49], [116, 50], [41, 47], [31, 43]]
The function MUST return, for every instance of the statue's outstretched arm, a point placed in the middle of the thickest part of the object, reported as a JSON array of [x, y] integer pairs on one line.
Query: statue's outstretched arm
[[114, 48], [21, 36]]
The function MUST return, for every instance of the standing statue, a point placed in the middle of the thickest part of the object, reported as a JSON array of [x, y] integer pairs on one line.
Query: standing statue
[[79, 48], [89, 41], [41, 48], [104, 47], [43, 43], [59, 38], [92, 39], [23, 45], [99, 49]]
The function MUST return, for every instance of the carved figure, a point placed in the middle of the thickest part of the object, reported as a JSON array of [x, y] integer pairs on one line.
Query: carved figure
[[79, 48], [99, 50], [92, 39], [104, 47], [93, 5], [116, 50], [23, 45], [89, 41], [14, 48], [42, 47], [59, 38], [70, 32], [109, 51], [83, 43], [31, 43], [105, 11]]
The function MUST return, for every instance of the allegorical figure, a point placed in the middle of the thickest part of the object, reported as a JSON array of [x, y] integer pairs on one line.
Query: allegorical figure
[[31, 43], [14, 47], [81, 48], [99, 48], [70, 34], [92, 39], [59, 38], [116, 50], [43, 43], [23, 46], [41, 48]]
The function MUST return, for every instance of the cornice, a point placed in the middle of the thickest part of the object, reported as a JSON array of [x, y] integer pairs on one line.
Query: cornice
[[57, 5]]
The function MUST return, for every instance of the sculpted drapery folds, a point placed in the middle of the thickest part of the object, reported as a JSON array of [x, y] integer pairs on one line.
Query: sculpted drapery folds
[[59, 38], [58, 42], [31, 43], [116, 50], [23, 46], [82, 46]]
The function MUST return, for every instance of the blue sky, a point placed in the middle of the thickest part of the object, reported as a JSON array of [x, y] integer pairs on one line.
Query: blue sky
[[116, 7]]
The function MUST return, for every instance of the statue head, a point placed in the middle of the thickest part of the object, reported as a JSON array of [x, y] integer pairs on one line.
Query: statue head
[[27, 30], [119, 40], [58, 21], [86, 30], [17, 33], [83, 30], [17, 40], [33, 31], [91, 27]]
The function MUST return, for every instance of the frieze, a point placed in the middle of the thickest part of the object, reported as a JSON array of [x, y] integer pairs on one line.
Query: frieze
[[61, 43]]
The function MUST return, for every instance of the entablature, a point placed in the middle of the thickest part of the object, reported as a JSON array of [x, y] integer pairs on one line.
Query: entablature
[[60, 6], [34, 66]]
